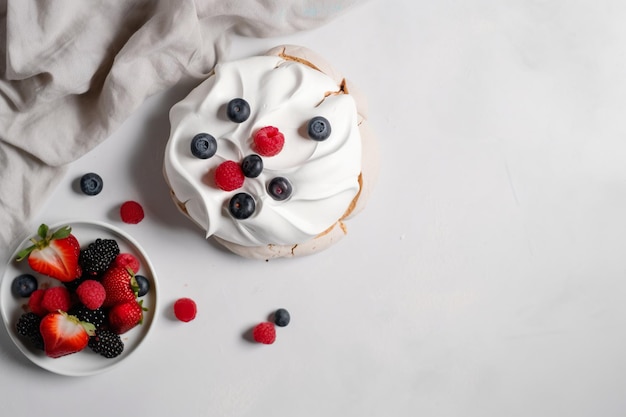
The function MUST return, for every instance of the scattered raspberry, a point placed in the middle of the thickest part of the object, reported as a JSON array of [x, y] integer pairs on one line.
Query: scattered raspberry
[[34, 302], [229, 176], [264, 333], [185, 309], [56, 298], [131, 212], [269, 141], [91, 293], [127, 260]]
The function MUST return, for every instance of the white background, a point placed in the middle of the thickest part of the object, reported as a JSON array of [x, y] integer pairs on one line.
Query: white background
[[485, 278]]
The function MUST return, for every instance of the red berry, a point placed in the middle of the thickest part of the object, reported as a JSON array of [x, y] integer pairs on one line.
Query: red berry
[[268, 141], [264, 333], [229, 176], [185, 309], [91, 293], [131, 212], [127, 260], [123, 317], [34, 302], [55, 299]]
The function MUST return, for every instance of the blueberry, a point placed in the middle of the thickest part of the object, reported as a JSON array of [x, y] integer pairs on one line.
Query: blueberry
[[238, 110], [252, 166], [281, 317], [24, 285], [91, 183], [279, 188], [241, 206], [143, 284], [203, 146], [319, 128]]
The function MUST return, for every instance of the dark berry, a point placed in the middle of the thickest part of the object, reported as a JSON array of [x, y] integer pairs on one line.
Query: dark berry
[[96, 258], [203, 146], [238, 110], [95, 317], [279, 188], [28, 324], [72, 285], [241, 206], [106, 343], [319, 128], [91, 183], [143, 284], [281, 317], [24, 285], [252, 166]]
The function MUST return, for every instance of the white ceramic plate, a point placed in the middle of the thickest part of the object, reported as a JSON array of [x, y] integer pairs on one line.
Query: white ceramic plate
[[85, 362]]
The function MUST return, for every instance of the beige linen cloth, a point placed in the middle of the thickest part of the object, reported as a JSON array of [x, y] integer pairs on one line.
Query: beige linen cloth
[[72, 70]]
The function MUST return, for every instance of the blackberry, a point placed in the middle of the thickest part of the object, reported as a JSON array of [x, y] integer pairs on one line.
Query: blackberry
[[28, 324], [95, 317], [106, 343], [96, 258]]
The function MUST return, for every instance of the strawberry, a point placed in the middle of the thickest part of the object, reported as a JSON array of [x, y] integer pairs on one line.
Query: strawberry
[[64, 334], [55, 255], [125, 316], [120, 286]]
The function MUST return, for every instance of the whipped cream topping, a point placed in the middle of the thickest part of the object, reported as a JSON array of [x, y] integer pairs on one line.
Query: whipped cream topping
[[285, 94]]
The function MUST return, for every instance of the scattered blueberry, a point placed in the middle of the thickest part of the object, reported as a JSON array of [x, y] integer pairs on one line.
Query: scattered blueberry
[[279, 188], [281, 317], [24, 285], [203, 146], [143, 284], [91, 183], [241, 206], [238, 110], [252, 166], [319, 128]]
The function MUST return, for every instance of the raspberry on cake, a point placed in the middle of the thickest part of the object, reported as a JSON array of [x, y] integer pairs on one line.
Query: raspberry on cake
[[271, 154]]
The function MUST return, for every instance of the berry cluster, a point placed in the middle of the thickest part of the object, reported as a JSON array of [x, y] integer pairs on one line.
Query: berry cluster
[[265, 332], [131, 212], [91, 310], [267, 141]]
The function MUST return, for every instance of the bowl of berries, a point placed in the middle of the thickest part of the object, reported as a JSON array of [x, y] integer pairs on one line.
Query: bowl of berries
[[78, 298]]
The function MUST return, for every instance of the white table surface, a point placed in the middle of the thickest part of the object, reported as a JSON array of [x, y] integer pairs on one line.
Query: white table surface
[[486, 277]]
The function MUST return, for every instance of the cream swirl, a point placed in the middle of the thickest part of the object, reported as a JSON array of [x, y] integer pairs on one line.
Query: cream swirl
[[324, 175]]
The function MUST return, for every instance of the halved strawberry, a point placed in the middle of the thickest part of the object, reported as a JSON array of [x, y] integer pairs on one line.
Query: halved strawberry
[[120, 285], [55, 255], [64, 334], [125, 316]]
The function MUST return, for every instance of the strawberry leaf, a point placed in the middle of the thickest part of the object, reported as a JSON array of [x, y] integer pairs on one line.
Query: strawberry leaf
[[62, 233], [42, 232], [23, 254]]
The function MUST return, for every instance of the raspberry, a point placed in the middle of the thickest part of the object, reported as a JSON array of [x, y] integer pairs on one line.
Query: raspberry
[[34, 302], [91, 293], [56, 298], [229, 176], [185, 309], [268, 141], [264, 333], [127, 260], [131, 212]]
